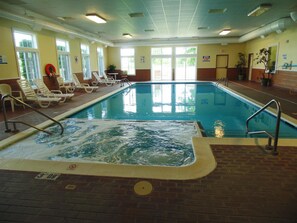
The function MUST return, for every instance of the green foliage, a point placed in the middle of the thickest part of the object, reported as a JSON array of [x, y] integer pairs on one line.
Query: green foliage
[[263, 58], [111, 67], [241, 63]]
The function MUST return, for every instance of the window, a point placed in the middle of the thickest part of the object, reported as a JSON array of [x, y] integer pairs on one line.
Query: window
[[27, 55], [161, 63], [85, 53], [185, 63], [64, 59], [101, 67], [127, 61]]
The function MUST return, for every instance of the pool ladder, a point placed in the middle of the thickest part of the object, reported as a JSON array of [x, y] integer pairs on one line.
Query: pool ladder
[[269, 147], [24, 123], [223, 80], [125, 80]]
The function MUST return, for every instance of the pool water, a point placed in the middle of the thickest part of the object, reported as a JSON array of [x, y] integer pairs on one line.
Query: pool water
[[221, 114], [100, 141]]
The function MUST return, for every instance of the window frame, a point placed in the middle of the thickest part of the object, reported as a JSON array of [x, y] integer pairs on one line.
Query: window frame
[[186, 56], [162, 56], [130, 71], [86, 75], [68, 62], [34, 50], [101, 69]]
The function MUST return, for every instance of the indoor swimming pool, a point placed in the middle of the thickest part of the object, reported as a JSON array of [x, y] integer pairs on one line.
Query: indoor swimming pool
[[220, 112], [156, 127]]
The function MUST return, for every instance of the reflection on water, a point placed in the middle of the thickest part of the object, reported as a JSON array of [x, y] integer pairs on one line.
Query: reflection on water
[[219, 129], [180, 101]]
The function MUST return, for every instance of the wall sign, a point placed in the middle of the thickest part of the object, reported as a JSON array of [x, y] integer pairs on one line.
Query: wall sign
[[205, 58], [3, 59], [142, 59]]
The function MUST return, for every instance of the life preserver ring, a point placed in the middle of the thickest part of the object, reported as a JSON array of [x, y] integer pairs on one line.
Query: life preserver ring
[[50, 70]]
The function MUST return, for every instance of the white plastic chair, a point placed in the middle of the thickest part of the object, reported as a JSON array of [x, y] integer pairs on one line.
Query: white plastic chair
[[68, 87], [86, 87], [30, 95], [5, 89], [43, 90], [101, 80]]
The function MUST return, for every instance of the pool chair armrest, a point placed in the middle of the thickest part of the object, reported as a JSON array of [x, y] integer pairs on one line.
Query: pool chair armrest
[[56, 91]]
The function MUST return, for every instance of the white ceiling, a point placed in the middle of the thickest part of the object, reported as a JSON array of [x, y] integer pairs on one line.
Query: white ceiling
[[170, 19]]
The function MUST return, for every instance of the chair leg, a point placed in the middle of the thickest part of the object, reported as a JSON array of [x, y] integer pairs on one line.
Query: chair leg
[[12, 105]]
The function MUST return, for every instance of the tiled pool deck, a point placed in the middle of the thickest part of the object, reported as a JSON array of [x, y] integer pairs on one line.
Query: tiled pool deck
[[246, 186]]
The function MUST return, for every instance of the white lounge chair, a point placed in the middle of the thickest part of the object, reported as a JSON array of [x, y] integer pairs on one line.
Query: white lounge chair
[[110, 78], [86, 87], [30, 95], [68, 87], [43, 90], [5, 89], [101, 80]]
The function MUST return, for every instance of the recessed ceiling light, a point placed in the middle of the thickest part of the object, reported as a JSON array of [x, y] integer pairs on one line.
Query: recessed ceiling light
[[95, 18], [225, 32], [136, 14], [217, 11], [259, 10], [127, 35]]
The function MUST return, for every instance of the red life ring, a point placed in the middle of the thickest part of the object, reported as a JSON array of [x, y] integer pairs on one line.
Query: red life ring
[[50, 70]]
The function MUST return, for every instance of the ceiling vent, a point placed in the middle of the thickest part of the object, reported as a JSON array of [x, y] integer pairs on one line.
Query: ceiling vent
[[277, 26], [136, 14], [203, 27], [217, 11]]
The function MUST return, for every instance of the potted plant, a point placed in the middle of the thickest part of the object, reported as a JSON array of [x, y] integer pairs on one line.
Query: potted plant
[[241, 66], [263, 58], [111, 68]]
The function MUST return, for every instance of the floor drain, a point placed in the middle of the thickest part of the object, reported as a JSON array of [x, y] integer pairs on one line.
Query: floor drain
[[143, 188]]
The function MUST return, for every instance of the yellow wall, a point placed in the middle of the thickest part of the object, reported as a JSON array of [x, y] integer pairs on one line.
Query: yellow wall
[[287, 45], [9, 70], [47, 51], [286, 42], [216, 49], [203, 50]]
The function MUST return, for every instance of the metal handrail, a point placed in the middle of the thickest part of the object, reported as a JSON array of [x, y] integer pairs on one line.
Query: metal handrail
[[270, 137], [223, 79], [24, 123], [125, 80]]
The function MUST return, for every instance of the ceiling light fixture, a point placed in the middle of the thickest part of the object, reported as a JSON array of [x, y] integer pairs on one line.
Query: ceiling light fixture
[[127, 35], [95, 18], [225, 32], [259, 10]]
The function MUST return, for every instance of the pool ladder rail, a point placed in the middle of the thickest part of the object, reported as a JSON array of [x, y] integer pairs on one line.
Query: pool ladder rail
[[223, 80], [24, 123], [268, 147], [125, 80]]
